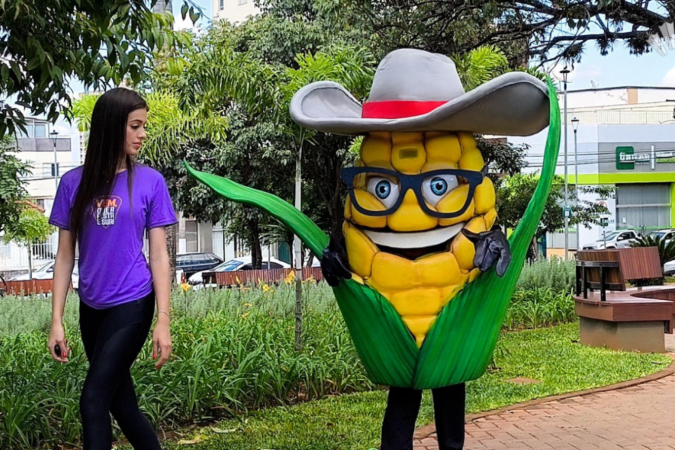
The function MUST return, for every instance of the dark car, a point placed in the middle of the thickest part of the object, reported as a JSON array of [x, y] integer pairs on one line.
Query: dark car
[[191, 263]]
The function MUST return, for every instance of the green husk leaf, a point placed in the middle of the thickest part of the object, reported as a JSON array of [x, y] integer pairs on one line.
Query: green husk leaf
[[315, 239]]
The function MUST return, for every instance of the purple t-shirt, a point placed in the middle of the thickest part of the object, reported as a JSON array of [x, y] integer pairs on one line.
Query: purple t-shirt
[[113, 269]]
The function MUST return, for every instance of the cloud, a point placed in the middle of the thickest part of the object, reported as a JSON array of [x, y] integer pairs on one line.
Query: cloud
[[669, 79], [580, 75]]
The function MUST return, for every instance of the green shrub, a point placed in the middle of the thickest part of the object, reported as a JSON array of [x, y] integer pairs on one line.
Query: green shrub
[[555, 273]]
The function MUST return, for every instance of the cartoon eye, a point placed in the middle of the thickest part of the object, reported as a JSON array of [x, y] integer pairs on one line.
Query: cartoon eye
[[385, 190], [436, 187]]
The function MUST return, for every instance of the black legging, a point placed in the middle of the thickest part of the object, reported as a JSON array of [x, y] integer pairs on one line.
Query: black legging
[[403, 406], [112, 339]]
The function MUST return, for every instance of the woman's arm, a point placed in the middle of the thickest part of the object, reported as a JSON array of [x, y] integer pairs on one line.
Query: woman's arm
[[63, 270], [161, 278]]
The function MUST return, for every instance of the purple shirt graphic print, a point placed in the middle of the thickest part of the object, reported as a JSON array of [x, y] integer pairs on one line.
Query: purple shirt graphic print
[[113, 269]]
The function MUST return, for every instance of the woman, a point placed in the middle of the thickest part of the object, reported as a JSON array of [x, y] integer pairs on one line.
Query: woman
[[106, 206]]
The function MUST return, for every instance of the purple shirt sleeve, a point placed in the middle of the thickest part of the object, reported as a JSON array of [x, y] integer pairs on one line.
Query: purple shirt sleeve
[[161, 212], [60, 216]]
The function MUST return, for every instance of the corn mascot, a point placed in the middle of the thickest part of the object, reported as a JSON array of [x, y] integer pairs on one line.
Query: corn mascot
[[421, 274]]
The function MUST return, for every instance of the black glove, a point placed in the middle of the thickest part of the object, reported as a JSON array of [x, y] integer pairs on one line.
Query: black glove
[[334, 263], [491, 247]]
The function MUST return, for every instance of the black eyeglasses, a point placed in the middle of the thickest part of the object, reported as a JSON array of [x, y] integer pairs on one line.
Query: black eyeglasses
[[389, 188]]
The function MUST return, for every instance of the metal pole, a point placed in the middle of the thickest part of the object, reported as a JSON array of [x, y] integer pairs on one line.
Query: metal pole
[[298, 254], [565, 209], [576, 182], [56, 170]]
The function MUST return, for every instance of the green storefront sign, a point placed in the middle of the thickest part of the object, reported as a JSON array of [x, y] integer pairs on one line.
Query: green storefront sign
[[626, 158]]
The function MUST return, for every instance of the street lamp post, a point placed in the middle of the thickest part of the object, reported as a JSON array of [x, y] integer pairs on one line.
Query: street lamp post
[[575, 126], [564, 73], [54, 135]]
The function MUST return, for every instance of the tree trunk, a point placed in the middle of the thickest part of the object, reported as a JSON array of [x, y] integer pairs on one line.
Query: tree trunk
[[30, 261], [254, 240], [171, 249]]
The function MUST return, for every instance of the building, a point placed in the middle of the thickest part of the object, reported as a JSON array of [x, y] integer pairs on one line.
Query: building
[[40, 148], [626, 139], [234, 11]]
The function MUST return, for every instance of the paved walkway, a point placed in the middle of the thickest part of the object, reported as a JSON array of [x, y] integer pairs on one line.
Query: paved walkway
[[635, 418]]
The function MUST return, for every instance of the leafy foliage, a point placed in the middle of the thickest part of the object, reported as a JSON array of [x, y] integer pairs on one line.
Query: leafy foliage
[[12, 187], [513, 198], [666, 246], [32, 227], [48, 42]]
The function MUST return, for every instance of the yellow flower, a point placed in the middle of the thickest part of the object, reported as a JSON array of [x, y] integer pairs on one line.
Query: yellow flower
[[309, 280], [243, 316], [186, 287], [267, 289], [248, 305], [290, 278]]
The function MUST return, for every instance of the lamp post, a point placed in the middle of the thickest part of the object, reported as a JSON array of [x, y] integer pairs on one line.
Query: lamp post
[[575, 126], [54, 135], [564, 73]]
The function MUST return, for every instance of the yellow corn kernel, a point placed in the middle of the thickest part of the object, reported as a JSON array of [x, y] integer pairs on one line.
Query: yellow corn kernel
[[467, 141], [419, 326], [418, 302], [474, 274], [440, 269], [471, 160], [370, 203], [410, 217], [391, 272], [454, 202], [463, 248], [376, 150], [408, 154], [484, 196], [348, 208], [443, 148], [360, 250], [490, 218]]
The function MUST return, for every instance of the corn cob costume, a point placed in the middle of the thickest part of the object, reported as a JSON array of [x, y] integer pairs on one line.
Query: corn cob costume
[[431, 319]]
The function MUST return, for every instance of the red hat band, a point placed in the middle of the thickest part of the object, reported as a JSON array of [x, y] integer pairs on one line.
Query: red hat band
[[398, 109]]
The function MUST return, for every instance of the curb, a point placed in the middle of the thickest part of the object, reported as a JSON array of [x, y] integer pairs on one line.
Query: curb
[[427, 430]]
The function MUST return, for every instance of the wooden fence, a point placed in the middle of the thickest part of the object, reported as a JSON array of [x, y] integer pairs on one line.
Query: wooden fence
[[267, 276]]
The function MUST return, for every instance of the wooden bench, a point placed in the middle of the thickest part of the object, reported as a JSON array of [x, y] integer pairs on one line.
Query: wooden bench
[[623, 319]]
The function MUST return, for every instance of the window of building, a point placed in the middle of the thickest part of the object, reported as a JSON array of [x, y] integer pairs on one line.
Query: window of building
[[643, 207], [191, 236], [40, 130], [222, 5], [29, 131]]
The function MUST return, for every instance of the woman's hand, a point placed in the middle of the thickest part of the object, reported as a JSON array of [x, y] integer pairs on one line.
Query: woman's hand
[[58, 336], [161, 343]]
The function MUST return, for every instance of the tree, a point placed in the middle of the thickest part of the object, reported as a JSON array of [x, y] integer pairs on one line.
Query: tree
[[546, 30], [12, 187], [46, 43], [31, 228], [516, 193]]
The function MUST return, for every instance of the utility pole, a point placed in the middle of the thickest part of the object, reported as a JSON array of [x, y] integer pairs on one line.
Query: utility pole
[[564, 73]]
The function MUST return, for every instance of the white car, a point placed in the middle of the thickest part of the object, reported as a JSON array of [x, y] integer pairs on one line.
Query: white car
[[46, 272], [614, 239], [666, 234], [669, 268], [243, 263]]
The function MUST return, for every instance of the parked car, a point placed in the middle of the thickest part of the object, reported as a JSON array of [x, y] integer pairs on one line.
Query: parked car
[[669, 268], [243, 263], [666, 234], [614, 239], [190, 263], [46, 272]]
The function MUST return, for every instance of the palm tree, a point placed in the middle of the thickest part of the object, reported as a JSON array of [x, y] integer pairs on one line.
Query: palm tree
[[666, 247]]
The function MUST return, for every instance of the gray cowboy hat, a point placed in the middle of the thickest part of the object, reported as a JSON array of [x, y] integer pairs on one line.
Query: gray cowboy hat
[[414, 90]]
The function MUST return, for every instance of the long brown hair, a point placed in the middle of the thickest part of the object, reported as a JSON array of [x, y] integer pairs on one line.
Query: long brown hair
[[105, 149]]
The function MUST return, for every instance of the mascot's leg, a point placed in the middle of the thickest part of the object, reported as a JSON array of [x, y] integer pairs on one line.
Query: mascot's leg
[[449, 404], [398, 427]]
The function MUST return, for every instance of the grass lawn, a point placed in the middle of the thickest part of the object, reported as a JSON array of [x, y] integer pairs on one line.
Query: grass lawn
[[550, 355]]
